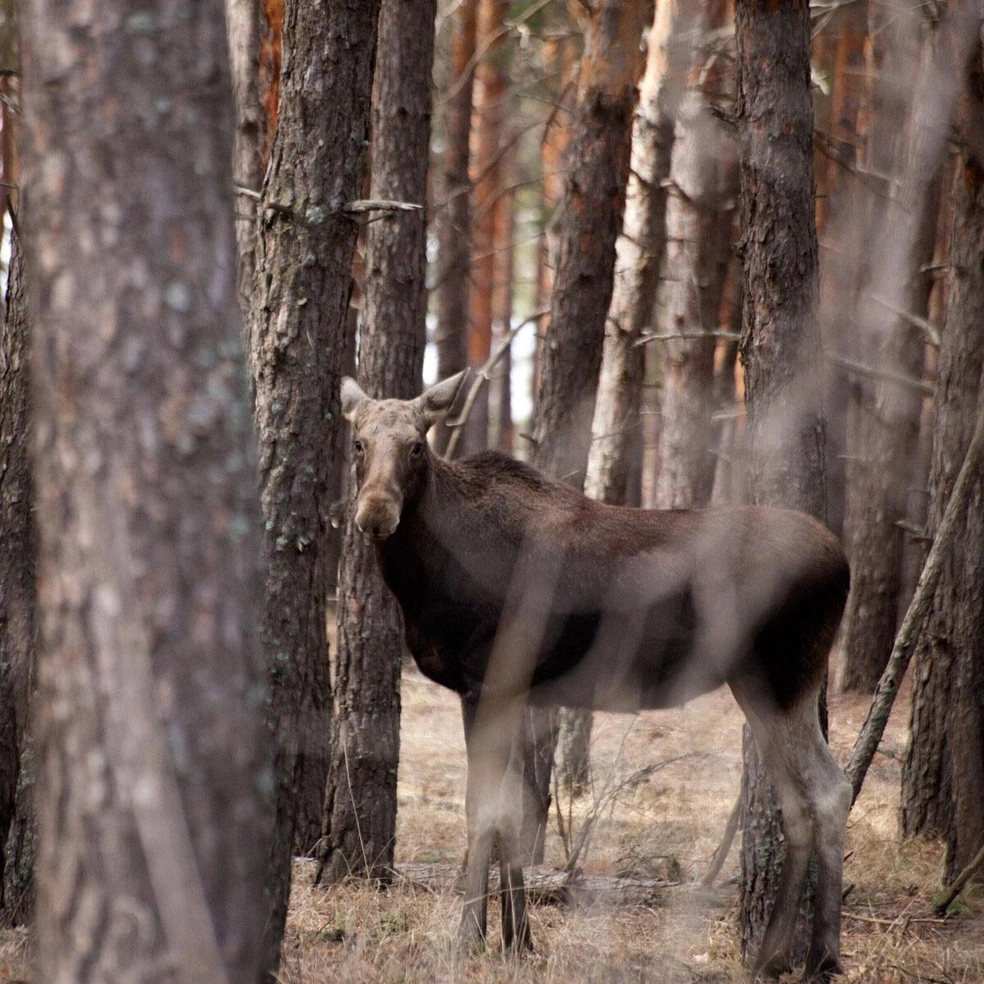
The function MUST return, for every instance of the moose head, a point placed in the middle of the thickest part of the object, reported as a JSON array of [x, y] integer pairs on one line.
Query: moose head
[[389, 444]]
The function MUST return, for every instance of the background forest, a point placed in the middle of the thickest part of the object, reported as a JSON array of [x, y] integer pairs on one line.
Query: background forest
[[696, 252]]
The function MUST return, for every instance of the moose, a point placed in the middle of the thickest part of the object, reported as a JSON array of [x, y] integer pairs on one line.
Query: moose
[[517, 589]]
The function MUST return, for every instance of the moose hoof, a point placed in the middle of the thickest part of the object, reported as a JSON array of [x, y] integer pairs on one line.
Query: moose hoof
[[772, 966], [470, 940], [821, 969]]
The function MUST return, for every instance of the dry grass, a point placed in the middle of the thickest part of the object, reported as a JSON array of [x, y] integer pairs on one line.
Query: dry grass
[[665, 827]]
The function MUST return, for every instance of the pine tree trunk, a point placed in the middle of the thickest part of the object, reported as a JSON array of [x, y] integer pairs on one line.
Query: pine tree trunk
[[780, 345], [360, 802], [245, 25], [454, 220], [616, 431], [699, 220], [297, 325], [950, 643], [887, 413], [594, 198], [486, 169], [153, 754], [17, 605], [844, 226]]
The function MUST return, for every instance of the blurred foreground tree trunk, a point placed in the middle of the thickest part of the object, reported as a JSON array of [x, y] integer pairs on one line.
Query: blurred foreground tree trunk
[[359, 827], [943, 778], [594, 198], [616, 431], [297, 328], [780, 345], [896, 292], [152, 824], [18, 550]]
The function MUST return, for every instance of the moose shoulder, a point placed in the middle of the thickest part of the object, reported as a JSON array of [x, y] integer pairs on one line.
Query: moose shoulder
[[517, 588]]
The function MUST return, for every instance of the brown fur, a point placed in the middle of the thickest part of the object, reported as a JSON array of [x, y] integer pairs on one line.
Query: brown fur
[[516, 588]]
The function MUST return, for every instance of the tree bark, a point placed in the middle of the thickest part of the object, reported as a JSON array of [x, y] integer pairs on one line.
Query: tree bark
[[360, 801], [780, 345], [616, 431], [246, 26], [950, 646], [699, 221], [17, 604], [889, 412], [486, 167], [594, 198], [152, 833], [454, 219], [305, 245]]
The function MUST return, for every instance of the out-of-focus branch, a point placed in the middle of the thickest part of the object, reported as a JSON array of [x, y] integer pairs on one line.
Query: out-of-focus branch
[[908, 635]]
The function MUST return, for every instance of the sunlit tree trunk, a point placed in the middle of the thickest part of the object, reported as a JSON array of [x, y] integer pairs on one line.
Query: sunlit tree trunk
[[616, 431], [154, 760], [700, 208], [780, 346], [455, 218], [360, 802], [297, 325], [594, 197], [486, 169]]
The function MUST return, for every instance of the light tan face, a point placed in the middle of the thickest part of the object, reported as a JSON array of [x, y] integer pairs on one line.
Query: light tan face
[[389, 445]]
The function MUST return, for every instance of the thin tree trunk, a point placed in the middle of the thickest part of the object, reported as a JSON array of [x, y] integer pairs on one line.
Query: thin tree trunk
[[360, 802], [950, 646], [297, 326], [844, 226], [500, 384], [699, 221], [454, 220], [594, 198], [152, 833], [616, 428], [780, 345], [486, 168], [246, 25], [17, 604]]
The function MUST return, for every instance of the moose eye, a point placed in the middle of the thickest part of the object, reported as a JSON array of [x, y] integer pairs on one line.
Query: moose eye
[[417, 449], [359, 447]]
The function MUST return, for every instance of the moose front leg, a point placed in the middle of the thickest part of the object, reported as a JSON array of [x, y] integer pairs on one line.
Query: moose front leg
[[493, 812], [512, 891]]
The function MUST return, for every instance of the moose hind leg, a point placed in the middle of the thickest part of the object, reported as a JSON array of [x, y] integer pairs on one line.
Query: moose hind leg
[[830, 800], [779, 739]]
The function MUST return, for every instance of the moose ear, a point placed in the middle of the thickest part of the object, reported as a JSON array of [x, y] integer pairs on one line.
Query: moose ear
[[353, 398], [435, 402]]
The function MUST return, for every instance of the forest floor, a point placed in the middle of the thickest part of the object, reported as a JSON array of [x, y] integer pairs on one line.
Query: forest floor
[[664, 784], [656, 828]]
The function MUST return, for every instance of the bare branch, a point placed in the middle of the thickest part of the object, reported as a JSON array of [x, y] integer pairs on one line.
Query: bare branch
[[928, 328], [379, 205], [908, 635], [892, 377], [943, 903]]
